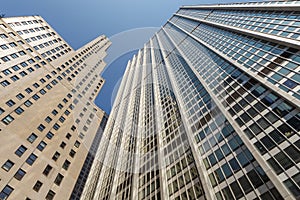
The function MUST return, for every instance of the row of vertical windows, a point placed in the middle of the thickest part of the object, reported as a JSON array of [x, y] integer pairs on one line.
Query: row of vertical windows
[[8, 119], [271, 22], [29, 22], [13, 56], [257, 56]]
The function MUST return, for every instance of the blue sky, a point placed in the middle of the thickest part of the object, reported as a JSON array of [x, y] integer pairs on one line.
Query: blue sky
[[80, 21]]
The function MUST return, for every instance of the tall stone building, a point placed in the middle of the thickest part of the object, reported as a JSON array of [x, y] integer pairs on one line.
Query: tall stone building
[[208, 109], [48, 119]]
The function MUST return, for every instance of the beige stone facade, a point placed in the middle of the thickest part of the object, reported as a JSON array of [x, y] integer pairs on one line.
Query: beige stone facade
[[48, 118]]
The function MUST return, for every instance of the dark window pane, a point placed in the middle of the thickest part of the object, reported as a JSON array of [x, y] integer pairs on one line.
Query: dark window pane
[[292, 187], [242, 159], [262, 174], [227, 193], [276, 167], [219, 175], [284, 161], [212, 159], [226, 169], [234, 164], [268, 142], [293, 153], [295, 123], [260, 147], [245, 184], [276, 194], [277, 136], [236, 190], [254, 178]]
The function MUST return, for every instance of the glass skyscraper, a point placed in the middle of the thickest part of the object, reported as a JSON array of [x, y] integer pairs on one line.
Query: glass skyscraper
[[208, 109]]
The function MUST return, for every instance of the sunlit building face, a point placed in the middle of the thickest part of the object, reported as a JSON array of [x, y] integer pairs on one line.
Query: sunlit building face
[[208, 109]]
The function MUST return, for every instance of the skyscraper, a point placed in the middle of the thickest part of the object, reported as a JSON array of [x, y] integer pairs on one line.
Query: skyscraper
[[208, 109], [48, 119]]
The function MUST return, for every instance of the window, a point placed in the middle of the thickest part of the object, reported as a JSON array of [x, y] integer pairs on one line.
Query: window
[[50, 195], [54, 112], [7, 165], [68, 136], [19, 174], [8, 119], [48, 76], [234, 164], [41, 127], [35, 97], [37, 186], [42, 80], [3, 36], [7, 190], [73, 128], [212, 180], [58, 179], [55, 156], [62, 119], [28, 103], [30, 69], [28, 90], [72, 153], [66, 164], [245, 184], [20, 151], [12, 44], [293, 153], [63, 145], [6, 72], [20, 96], [22, 73], [5, 83], [10, 103], [4, 46], [236, 190], [42, 146], [42, 91], [56, 126], [37, 66], [226, 169], [1, 111], [49, 135], [292, 187], [19, 110], [283, 160], [77, 144], [5, 59], [32, 138], [47, 170], [48, 86], [254, 178], [16, 68], [219, 175], [14, 55], [48, 119], [36, 85], [30, 160], [227, 193], [31, 61]]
